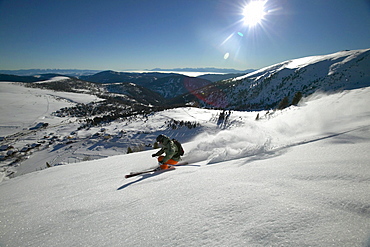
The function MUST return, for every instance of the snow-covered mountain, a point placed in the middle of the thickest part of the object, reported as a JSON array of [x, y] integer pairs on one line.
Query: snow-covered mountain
[[125, 94], [266, 87], [33, 72], [169, 85], [207, 70], [155, 88], [261, 89], [296, 177], [122, 103]]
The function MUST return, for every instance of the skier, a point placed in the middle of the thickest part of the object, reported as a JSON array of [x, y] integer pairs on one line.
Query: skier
[[173, 150], [172, 156]]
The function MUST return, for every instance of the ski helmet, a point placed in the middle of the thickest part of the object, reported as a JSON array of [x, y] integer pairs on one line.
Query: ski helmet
[[160, 138]]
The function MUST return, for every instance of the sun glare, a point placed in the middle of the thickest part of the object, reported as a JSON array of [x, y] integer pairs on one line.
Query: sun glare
[[254, 12]]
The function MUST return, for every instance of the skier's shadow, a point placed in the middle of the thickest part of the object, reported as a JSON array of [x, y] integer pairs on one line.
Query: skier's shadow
[[145, 176], [149, 175]]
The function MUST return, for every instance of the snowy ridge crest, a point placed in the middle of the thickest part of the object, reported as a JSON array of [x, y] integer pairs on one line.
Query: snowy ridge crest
[[266, 87]]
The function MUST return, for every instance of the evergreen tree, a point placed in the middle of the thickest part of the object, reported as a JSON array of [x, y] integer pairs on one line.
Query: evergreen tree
[[284, 103], [297, 97]]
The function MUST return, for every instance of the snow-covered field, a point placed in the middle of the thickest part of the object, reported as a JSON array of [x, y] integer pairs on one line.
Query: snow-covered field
[[297, 177], [21, 110], [23, 107]]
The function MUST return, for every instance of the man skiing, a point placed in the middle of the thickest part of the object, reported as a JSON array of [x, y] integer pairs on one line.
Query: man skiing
[[173, 150], [172, 156]]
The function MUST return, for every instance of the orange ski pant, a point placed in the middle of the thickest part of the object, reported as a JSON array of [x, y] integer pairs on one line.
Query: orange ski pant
[[168, 162]]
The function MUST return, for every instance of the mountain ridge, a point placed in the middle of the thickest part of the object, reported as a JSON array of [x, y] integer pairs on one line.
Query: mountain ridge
[[266, 87], [207, 69], [260, 89]]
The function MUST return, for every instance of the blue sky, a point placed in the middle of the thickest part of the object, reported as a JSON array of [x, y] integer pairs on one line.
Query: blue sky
[[147, 34]]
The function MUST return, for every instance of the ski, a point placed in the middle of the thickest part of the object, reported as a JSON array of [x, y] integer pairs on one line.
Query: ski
[[150, 171], [155, 170], [137, 173]]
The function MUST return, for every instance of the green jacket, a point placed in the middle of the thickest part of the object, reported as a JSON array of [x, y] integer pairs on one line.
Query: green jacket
[[171, 150]]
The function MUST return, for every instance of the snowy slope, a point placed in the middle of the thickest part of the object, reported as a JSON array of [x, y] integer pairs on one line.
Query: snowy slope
[[63, 141], [24, 107], [265, 88], [299, 177]]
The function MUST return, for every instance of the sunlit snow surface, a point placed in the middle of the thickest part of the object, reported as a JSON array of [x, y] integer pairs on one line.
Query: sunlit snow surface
[[22, 107], [297, 177]]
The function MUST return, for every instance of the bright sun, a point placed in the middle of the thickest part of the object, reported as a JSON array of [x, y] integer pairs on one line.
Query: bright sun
[[254, 12]]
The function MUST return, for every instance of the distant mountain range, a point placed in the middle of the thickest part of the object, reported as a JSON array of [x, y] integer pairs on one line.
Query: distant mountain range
[[169, 85], [261, 89], [165, 85], [32, 72], [212, 70], [78, 72]]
